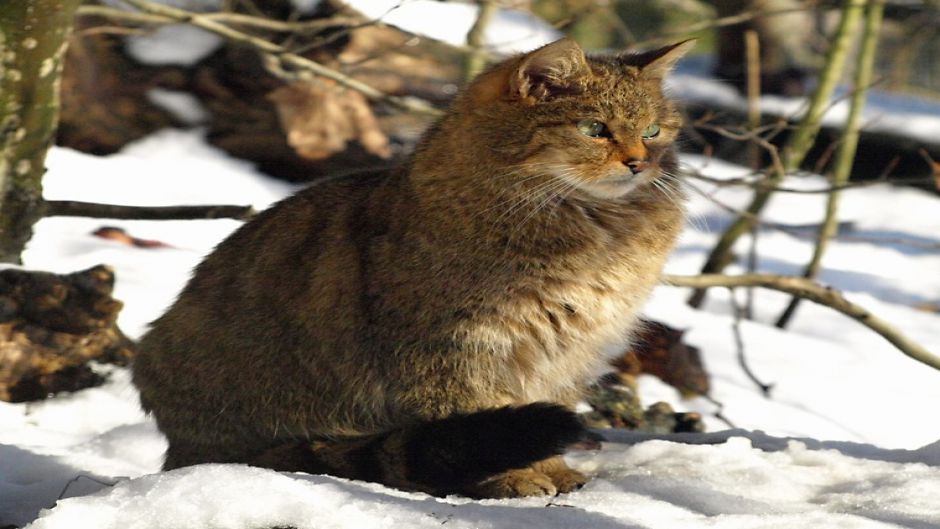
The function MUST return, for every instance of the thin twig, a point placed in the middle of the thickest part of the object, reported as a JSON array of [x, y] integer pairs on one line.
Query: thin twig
[[719, 413], [130, 17], [757, 221], [808, 289], [239, 19], [737, 311], [756, 137], [751, 182], [799, 231], [71, 208], [80, 476], [752, 53]]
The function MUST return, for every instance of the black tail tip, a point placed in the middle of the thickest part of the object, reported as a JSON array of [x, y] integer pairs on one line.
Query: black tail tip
[[464, 448], [546, 424]]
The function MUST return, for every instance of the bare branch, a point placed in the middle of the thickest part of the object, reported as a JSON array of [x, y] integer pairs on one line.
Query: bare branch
[[797, 147], [738, 311], [239, 19], [755, 182], [845, 155], [207, 23], [71, 208], [816, 293]]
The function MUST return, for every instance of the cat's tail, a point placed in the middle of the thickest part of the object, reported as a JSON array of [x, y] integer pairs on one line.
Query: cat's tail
[[441, 456]]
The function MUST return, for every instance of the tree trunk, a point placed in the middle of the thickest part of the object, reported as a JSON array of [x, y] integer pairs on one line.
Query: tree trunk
[[33, 38]]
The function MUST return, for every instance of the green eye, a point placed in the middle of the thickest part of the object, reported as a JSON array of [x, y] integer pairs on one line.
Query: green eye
[[592, 128], [651, 132]]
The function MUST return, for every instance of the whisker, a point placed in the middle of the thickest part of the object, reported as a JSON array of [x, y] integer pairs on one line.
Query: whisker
[[697, 221]]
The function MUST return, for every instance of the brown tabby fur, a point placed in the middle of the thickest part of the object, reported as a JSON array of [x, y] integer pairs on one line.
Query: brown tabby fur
[[492, 270]]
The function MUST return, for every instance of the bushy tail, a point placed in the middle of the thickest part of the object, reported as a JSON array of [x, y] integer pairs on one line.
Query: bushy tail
[[441, 456]]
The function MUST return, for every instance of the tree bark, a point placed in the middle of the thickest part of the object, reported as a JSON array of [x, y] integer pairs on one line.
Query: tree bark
[[33, 39]]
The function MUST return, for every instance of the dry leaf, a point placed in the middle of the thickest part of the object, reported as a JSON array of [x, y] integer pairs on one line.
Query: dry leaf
[[119, 235], [321, 118], [660, 351]]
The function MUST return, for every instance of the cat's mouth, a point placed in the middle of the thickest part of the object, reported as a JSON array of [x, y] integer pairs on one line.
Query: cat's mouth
[[624, 179], [620, 184]]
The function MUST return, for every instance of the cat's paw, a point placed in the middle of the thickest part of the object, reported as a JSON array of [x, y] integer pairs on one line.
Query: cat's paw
[[515, 484], [567, 480], [563, 477]]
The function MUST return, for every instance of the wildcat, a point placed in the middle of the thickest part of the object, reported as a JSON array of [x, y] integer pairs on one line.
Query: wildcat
[[431, 327]]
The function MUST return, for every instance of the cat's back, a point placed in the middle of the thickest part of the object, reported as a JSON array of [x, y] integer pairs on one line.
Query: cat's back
[[264, 294]]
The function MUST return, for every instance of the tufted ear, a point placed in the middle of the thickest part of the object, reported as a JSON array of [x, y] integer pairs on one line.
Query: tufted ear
[[655, 64], [554, 69]]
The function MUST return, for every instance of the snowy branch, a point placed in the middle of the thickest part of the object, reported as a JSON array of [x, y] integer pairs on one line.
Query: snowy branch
[[812, 291]]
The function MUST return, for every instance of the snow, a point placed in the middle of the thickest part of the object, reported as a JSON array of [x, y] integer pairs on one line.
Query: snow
[[641, 485], [847, 439], [509, 31], [183, 106], [172, 44], [168, 168], [306, 6]]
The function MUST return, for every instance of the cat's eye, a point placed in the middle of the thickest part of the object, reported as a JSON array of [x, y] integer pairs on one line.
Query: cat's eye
[[592, 128], [651, 132]]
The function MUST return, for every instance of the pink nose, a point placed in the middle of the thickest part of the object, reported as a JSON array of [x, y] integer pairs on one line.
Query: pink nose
[[638, 166]]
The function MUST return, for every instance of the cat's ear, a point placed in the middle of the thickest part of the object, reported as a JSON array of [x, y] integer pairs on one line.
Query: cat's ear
[[554, 69], [655, 64]]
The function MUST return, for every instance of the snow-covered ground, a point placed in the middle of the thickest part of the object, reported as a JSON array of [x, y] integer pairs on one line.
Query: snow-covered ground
[[868, 454], [849, 437]]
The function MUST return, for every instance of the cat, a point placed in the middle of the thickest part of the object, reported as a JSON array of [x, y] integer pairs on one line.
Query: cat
[[431, 327]]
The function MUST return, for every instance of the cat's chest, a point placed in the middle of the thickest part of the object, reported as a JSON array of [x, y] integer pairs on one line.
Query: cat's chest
[[592, 307], [561, 328]]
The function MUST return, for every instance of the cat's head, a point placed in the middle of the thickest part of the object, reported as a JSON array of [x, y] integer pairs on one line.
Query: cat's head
[[599, 124]]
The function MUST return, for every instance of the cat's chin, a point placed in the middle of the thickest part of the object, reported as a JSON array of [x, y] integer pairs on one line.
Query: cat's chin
[[617, 186]]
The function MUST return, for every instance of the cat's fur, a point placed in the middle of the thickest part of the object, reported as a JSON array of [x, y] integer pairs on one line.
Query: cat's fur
[[398, 327]]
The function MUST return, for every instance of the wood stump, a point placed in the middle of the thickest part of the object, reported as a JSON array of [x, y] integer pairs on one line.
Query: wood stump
[[52, 326]]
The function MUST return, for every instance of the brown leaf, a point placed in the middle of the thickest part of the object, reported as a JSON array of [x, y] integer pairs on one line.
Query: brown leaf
[[660, 351], [321, 118], [119, 235]]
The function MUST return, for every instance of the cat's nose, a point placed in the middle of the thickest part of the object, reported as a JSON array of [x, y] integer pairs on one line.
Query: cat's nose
[[637, 166]]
